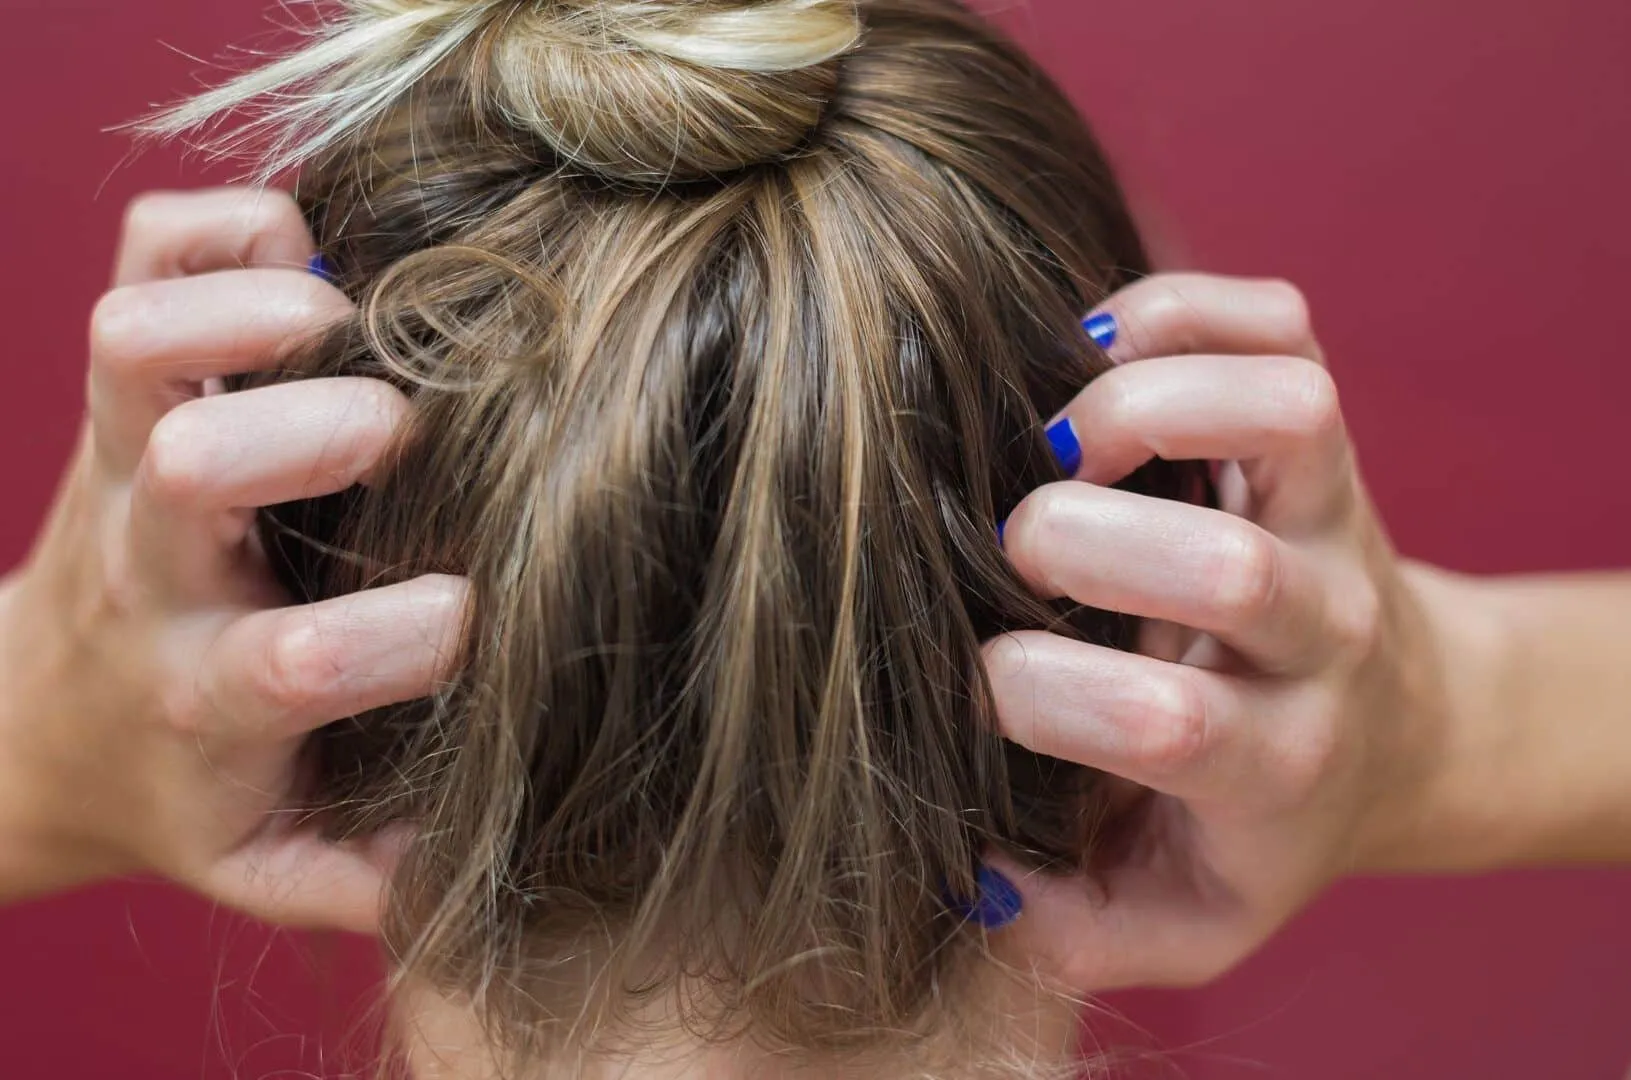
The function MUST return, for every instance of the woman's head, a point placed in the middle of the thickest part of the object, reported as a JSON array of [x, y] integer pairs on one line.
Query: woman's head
[[730, 329]]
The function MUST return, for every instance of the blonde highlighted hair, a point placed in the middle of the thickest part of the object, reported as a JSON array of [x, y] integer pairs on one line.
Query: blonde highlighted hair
[[730, 329], [656, 89]]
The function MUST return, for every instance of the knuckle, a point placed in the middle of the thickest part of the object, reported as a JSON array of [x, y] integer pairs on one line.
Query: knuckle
[[174, 468], [1247, 575], [116, 326], [1308, 757], [1177, 325], [146, 213], [185, 710], [126, 593], [1286, 307], [268, 222], [1318, 404], [270, 211], [1355, 618], [1114, 399], [296, 668], [1176, 727]]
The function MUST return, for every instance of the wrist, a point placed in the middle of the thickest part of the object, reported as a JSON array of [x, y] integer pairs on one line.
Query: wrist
[[22, 846], [1454, 803], [37, 854]]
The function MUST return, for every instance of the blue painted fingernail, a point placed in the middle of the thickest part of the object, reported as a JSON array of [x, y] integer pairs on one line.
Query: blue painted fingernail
[[1101, 328], [1002, 527], [1066, 447], [319, 266], [997, 905]]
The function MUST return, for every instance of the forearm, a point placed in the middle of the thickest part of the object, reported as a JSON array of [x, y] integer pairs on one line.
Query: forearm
[[1537, 743]]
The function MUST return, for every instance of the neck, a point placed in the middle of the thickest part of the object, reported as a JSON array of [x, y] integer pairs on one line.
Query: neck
[[1011, 1029]]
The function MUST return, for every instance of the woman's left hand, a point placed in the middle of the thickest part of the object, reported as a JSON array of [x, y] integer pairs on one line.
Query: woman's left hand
[[1289, 710], [154, 690]]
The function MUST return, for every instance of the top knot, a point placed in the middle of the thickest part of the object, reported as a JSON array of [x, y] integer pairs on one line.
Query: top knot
[[653, 90], [637, 90]]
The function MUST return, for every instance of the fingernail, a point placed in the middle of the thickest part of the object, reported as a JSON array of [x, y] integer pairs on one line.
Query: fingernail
[[1002, 527], [1101, 328], [997, 905], [319, 266], [1066, 447]]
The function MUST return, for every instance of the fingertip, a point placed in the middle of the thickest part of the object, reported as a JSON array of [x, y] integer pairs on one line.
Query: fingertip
[[441, 607], [445, 595], [1066, 446], [300, 880], [1063, 934], [996, 903], [1040, 532], [1000, 903], [1007, 655]]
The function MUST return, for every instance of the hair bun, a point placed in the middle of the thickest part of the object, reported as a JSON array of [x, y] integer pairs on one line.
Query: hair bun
[[653, 90], [641, 90]]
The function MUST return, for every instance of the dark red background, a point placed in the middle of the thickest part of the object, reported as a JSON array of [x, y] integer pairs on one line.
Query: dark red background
[[1449, 182]]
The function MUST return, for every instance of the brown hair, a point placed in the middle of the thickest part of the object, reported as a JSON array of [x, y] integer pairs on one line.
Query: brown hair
[[724, 370]]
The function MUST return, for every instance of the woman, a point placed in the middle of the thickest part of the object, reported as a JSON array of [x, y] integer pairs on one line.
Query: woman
[[729, 332], [1257, 636]]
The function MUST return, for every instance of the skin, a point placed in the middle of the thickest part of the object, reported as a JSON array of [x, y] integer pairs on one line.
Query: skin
[[157, 688], [440, 1038], [1307, 705]]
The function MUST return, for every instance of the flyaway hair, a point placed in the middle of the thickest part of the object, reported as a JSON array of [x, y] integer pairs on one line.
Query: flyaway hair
[[375, 53]]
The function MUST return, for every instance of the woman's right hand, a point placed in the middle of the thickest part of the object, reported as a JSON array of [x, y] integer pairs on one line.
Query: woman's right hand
[[156, 689], [1292, 712]]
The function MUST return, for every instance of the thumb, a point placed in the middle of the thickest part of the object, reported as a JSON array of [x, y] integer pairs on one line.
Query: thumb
[[300, 879], [1135, 927]]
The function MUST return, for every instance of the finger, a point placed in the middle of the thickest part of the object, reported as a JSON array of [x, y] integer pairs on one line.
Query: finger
[[1172, 728], [170, 234], [298, 879], [1177, 314], [273, 675], [153, 344], [1190, 565], [212, 460], [1141, 929], [1278, 416]]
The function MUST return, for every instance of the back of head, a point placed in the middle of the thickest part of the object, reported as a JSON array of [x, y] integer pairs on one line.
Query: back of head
[[730, 328]]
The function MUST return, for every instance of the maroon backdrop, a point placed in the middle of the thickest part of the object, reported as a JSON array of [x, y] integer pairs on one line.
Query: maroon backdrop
[[1447, 180]]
